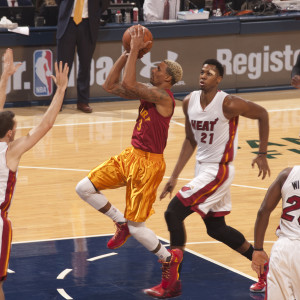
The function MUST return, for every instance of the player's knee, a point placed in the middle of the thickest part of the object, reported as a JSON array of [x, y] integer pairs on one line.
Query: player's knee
[[170, 218], [84, 188], [217, 233], [226, 234], [173, 222], [132, 229], [80, 189], [135, 228], [216, 228]]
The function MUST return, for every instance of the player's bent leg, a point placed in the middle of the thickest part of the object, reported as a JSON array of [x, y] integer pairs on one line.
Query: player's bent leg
[[143, 235], [170, 285], [217, 229], [87, 192], [148, 239], [174, 216]]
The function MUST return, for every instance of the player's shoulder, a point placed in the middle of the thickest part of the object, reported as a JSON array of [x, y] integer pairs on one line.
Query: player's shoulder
[[187, 98], [231, 97], [283, 175], [233, 101], [190, 95]]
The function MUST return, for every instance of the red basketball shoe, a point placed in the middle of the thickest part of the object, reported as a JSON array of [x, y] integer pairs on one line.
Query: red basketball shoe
[[120, 237], [170, 286], [160, 293], [260, 286]]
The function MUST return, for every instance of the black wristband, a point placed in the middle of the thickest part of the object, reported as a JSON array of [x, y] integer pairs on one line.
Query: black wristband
[[262, 153], [258, 249]]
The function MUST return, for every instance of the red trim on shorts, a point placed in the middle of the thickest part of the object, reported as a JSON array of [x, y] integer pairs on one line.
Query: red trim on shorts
[[10, 186], [6, 245], [214, 214], [208, 190]]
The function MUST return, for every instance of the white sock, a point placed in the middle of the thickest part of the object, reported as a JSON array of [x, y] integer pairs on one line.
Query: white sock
[[115, 215], [163, 253], [147, 238]]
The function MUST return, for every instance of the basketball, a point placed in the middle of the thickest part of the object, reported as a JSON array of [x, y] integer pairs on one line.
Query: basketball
[[147, 37]]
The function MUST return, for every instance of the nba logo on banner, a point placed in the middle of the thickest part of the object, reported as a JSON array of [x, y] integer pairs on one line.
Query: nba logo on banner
[[42, 71]]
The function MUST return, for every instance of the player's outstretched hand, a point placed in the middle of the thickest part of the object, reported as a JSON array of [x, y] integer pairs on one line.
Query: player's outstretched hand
[[61, 75], [259, 258], [296, 81], [169, 187], [9, 67], [262, 164]]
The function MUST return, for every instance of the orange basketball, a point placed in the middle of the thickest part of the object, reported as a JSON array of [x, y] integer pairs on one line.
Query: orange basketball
[[147, 37]]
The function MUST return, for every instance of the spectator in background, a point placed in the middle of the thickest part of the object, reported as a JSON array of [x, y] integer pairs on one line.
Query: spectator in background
[[79, 32], [13, 3], [295, 82], [48, 10], [155, 10]]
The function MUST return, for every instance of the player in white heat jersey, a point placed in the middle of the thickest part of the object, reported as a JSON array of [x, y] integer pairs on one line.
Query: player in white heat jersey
[[12, 149], [283, 280], [215, 134], [211, 121]]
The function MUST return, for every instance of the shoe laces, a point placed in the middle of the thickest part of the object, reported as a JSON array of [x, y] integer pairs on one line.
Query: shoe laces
[[165, 270], [262, 278], [118, 231]]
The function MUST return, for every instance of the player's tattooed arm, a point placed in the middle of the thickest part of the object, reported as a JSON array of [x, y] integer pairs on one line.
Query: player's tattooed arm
[[122, 92]]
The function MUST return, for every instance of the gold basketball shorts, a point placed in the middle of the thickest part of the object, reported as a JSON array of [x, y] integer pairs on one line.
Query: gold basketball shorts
[[141, 172]]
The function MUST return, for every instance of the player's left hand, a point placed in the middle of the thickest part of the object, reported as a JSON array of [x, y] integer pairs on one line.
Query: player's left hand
[[169, 187], [9, 67], [259, 258], [61, 75], [295, 82], [262, 164]]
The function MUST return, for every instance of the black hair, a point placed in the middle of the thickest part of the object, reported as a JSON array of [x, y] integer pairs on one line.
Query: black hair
[[217, 64], [6, 122]]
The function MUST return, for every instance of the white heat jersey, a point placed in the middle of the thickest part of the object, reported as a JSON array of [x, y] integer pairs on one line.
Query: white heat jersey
[[290, 218], [216, 136], [7, 181]]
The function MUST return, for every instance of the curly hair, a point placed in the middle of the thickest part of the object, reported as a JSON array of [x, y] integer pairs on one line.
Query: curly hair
[[217, 64], [174, 69]]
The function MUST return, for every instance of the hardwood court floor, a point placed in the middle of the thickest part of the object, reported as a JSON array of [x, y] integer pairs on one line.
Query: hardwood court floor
[[46, 206]]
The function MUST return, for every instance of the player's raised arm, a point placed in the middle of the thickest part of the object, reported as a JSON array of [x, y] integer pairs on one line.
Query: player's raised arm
[[139, 90], [23, 144], [9, 68]]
